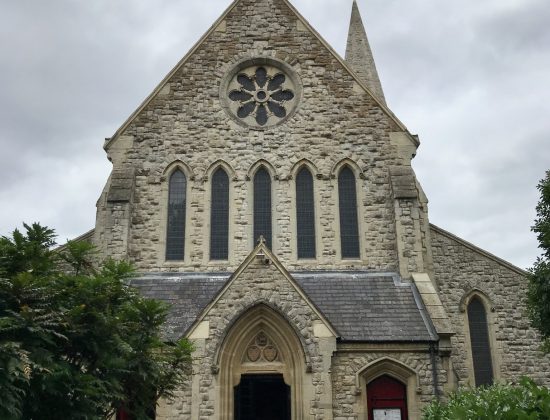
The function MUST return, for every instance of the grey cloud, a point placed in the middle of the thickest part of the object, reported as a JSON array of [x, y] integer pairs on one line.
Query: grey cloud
[[470, 77]]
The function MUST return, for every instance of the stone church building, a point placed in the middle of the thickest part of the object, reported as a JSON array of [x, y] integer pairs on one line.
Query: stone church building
[[265, 190]]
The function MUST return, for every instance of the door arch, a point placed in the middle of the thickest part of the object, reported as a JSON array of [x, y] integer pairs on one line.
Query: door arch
[[262, 343], [387, 398]]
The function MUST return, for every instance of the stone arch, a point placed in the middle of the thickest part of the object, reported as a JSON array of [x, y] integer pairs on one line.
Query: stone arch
[[300, 164], [265, 164], [481, 295], [256, 306], [182, 166], [349, 211], [396, 370], [349, 163], [494, 345], [233, 361], [220, 163]]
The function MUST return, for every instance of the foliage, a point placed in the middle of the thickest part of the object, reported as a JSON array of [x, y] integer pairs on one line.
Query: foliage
[[504, 402], [76, 342], [538, 298]]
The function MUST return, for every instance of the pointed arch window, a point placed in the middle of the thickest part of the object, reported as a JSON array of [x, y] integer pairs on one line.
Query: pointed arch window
[[480, 343], [219, 216], [175, 234], [305, 214], [349, 229], [262, 206]]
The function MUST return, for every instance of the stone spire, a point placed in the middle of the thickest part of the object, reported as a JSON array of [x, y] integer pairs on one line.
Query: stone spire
[[359, 55]]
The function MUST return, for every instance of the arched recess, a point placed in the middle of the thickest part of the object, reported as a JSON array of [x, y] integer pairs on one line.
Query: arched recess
[[262, 206], [168, 173], [388, 366], [219, 255], [236, 357], [480, 333], [219, 215], [297, 167], [348, 213], [359, 174], [266, 165], [182, 166], [215, 166]]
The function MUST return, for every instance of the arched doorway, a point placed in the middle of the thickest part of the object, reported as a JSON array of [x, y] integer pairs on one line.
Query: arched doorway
[[387, 399], [262, 363], [265, 397]]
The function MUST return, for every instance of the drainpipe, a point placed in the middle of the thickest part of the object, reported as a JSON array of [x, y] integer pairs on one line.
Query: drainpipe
[[433, 358]]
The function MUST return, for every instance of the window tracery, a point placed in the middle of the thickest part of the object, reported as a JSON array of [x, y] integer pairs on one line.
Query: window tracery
[[261, 95]]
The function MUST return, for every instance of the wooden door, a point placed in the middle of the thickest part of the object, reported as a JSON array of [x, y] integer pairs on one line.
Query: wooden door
[[387, 399]]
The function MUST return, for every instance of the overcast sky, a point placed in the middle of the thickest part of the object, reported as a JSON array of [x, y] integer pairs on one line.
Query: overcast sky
[[471, 77]]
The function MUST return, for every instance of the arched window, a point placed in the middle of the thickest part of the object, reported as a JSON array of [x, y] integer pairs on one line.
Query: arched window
[[349, 229], [219, 216], [262, 206], [175, 233], [305, 214], [479, 339]]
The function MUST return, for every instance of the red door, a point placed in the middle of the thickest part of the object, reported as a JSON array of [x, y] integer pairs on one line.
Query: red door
[[387, 399]]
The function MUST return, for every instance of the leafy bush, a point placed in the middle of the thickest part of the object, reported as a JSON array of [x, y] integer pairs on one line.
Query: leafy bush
[[538, 296], [77, 342], [498, 402]]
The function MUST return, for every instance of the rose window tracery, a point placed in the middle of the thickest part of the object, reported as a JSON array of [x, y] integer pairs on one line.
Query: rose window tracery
[[261, 95]]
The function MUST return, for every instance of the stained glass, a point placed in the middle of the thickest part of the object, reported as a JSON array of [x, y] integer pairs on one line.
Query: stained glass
[[175, 232], [262, 206], [479, 339], [349, 229], [305, 214], [219, 216]]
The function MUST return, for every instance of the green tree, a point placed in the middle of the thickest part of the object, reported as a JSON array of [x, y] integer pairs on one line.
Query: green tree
[[538, 297], [525, 401], [76, 342]]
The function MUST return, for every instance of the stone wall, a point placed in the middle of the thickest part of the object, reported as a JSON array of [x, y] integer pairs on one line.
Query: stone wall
[[186, 121], [349, 403], [461, 268], [258, 284]]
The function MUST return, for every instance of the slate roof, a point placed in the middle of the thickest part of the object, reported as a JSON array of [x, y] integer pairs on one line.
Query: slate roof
[[361, 306]]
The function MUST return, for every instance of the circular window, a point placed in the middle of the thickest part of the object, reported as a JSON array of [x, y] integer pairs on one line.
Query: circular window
[[260, 93]]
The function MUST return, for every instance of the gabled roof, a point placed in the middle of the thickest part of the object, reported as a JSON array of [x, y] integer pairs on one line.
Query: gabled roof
[[362, 306], [216, 24], [263, 252]]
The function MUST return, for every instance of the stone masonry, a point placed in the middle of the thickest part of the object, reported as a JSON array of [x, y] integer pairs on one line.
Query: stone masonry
[[415, 271]]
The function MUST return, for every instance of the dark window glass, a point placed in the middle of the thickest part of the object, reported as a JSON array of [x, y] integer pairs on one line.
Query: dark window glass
[[349, 230], [305, 214], [479, 339], [219, 216], [262, 206], [175, 237]]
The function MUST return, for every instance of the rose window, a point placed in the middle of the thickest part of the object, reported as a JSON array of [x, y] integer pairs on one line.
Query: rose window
[[261, 96]]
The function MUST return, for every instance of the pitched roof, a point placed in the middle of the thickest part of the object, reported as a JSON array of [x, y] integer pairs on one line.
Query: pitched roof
[[362, 306]]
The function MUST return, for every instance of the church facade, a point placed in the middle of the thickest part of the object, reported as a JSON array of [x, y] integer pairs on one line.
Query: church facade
[[265, 190]]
